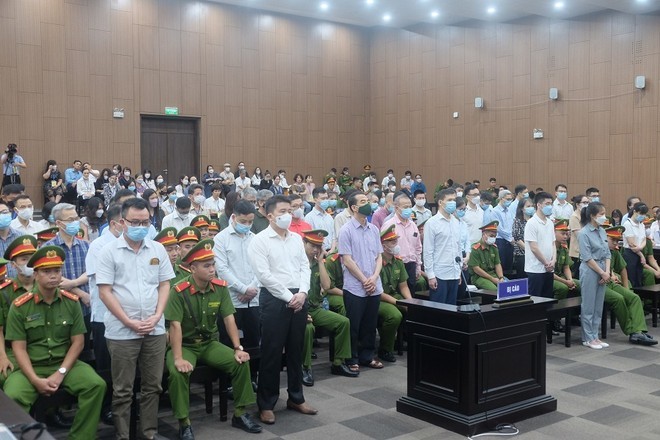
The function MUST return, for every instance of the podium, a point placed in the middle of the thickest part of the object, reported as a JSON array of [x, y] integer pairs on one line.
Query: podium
[[469, 371]]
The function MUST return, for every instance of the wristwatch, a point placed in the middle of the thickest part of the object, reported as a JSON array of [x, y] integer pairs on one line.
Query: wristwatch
[[62, 371], [238, 347]]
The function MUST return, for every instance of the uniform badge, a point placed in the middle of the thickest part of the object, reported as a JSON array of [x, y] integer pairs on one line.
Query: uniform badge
[[154, 261]]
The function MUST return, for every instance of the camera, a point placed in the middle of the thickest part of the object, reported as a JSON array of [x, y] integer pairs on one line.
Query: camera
[[11, 151]]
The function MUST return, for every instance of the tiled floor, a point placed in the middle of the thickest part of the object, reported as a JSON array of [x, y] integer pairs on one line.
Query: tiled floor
[[608, 394]]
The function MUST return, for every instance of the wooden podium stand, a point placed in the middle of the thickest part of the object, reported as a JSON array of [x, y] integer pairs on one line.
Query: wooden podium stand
[[467, 372]]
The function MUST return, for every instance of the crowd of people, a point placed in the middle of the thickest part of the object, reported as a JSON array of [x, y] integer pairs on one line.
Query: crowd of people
[[233, 263]]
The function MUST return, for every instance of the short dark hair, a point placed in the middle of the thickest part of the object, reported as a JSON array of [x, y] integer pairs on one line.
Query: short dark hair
[[347, 195], [469, 187], [487, 196], [217, 186], [183, 203], [318, 190], [352, 199], [539, 197], [492, 178], [418, 192], [133, 203], [271, 203], [114, 212], [124, 192], [560, 185], [243, 207], [21, 197], [13, 188], [591, 190], [408, 172], [293, 197], [629, 203], [519, 188], [356, 179], [444, 193], [193, 187]]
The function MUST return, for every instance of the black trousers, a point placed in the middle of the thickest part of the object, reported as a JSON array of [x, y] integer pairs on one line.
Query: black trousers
[[247, 320], [362, 312], [505, 250], [540, 284], [281, 329], [101, 359], [634, 267], [411, 269], [8, 179]]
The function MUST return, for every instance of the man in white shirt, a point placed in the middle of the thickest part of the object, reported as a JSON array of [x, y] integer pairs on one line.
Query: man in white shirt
[[443, 255], [389, 177], [318, 218], [474, 214], [180, 218], [228, 183], [197, 200], [242, 181], [540, 249], [215, 204], [23, 222], [421, 212], [133, 276], [561, 209], [232, 264], [278, 259]]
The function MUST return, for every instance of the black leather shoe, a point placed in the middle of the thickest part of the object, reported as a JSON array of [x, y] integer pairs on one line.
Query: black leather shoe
[[106, 417], [314, 355], [387, 356], [186, 433], [308, 377], [343, 370], [639, 338], [246, 423], [58, 420], [557, 326]]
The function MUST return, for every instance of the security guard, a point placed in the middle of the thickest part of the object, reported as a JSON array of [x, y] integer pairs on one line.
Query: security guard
[[167, 237], [395, 287], [343, 180], [187, 238], [214, 228], [563, 283], [202, 223], [7, 361], [46, 235], [335, 293], [625, 303], [46, 329], [484, 264], [321, 316], [192, 311]]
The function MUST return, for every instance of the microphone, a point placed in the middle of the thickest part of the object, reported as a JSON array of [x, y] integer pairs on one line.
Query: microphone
[[471, 307]]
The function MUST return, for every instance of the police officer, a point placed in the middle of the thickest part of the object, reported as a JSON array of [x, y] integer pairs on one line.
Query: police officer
[[395, 287], [484, 264], [563, 284], [46, 329], [319, 311], [214, 228], [202, 223], [7, 361], [335, 293], [192, 311], [167, 237], [46, 235], [187, 238]]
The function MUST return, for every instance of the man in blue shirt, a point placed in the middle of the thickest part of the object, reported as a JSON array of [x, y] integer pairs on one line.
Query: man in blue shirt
[[418, 184], [505, 214], [11, 162], [71, 176]]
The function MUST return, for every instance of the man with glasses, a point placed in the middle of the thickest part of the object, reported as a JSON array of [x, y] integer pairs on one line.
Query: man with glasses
[[133, 276], [180, 218]]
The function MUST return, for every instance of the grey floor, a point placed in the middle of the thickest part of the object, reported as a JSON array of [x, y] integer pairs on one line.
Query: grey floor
[[608, 394]]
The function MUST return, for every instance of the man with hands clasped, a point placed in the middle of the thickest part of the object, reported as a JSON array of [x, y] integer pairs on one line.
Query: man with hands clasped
[[540, 248]]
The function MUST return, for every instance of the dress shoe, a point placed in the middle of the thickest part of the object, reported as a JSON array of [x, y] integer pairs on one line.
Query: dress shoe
[[641, 339], [267, 416], [186, 433], [246, 423], [106, 417], [308, 377], [58, 420], [386, 356], [558, 326], [302, 408], [314, 355], [343, 370]]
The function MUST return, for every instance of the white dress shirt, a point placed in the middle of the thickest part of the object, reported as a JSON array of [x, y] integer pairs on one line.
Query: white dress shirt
[[214, 205], [31, 229], [280, 263], [441, 247], [561, 210], [474, 219], [173, 220], [319, 219], [232, 264], [93, 253]]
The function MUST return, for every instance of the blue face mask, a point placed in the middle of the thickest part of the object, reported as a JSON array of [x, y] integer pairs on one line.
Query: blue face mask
[[595, 199], [547, 210], [132, 188], [640, 218], [374, 206], [137, 233], [381, 202], [406, 213], [390, 209], [507, 203], [460, 213], [172, 197], [529, 211], [5, 219], [450, 207], [325, 204], [72, 228], [526, 195], [241, 228], [562, 195], [485, 207], [51, 219], [333, 203]]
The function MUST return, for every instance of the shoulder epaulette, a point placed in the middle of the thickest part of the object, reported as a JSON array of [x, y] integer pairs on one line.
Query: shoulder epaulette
[[182, 286], [70, 295], [185, 269], [476, 246], [219, 282], [398, 257], [5, 283], [23, 299], [333, 257]]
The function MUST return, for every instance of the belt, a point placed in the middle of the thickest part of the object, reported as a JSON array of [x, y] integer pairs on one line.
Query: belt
[[198, 340]]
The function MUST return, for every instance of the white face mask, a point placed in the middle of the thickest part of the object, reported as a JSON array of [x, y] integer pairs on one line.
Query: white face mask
[[25, 271], [396, 250], [476, 200], [159, 181], [211, 171], [26, 213], [184, 181], [99, 213], [283, 221], [127, 174], [459, 193], [193, 182], [420, 202], [299, 213], [199, 199], [490, 240]]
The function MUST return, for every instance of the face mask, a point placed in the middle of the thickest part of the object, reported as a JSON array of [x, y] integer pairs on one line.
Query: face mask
[[172, 197], [283, 221], [227, 169], [390, 175], [460, 213], [26, 213], [406, 213], [485, 207], [184, 181], [408, 177], [51, 219], [507, 203], [366, 209], [99, 213], [241, 228], [153, 203], [381, 202], [392, 188], [476, 200], [333, 203], [25, 271], [183, 216], [324, 204], [595, 199], [211, 171], [132, 187], [562, 196], [529, 211], [374, 206], [420, 202], [159, 181], [241, 167], [193, 182], [490, 240], [547, 210], [396, 250], [72, 228], [127, 174], [137, 233], [5, 219], [115, 171], [450, 207], [299, 213], [419, 180], [390, 209], [459, 193], [140, 181], [640, 218], [526, 196], [200, 199], [601, 220]]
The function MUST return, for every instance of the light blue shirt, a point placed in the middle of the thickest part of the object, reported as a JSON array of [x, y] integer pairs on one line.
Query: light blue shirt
[[322, 220], [505, 217], [95, 248]]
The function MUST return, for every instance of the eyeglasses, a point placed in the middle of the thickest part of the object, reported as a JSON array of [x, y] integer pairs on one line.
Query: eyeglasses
[[136, 223]]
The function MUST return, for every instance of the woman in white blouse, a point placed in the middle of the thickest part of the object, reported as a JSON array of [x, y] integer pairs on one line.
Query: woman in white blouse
[[85, 186]]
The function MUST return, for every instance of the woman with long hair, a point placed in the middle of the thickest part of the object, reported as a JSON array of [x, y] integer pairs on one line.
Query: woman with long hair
[[153, 204], [93, 218]]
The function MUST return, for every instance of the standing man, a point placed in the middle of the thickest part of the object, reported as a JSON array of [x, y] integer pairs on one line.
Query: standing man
[[421, 212], [23, 222], [318, 218], [561, 209], [48, 354], [298, 223], [133, 275], [180, 217], [360, 251], [260, 219], [11, 162], [504, 213], [474, 215], [540, 249], [443, 254], [278, 259]]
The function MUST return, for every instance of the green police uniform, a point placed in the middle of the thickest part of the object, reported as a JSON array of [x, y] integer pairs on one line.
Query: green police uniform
[[180, 273], [6, 298], [625, 303], [197, 312], [389, 315], [559, 289], [333, 266], [308, 345], [47, 330], [486, 257], [648, 277], [344, 181]]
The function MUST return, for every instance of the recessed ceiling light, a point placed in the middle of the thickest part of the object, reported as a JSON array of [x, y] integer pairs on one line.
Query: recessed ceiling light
[[491, 10], [435, 14], [324, 6], [559, 5], [387, 17], [369, 2]]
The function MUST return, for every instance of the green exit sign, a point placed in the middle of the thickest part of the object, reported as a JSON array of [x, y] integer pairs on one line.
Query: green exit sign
[[172, 111]]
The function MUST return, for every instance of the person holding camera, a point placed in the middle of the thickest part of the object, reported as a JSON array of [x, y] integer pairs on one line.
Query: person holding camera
[[11, 162]]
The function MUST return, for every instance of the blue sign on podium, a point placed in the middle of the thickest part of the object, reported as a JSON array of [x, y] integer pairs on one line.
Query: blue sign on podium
[[513, 289]]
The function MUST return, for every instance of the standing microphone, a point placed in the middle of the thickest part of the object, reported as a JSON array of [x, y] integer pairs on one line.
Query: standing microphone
[[471, 307]]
